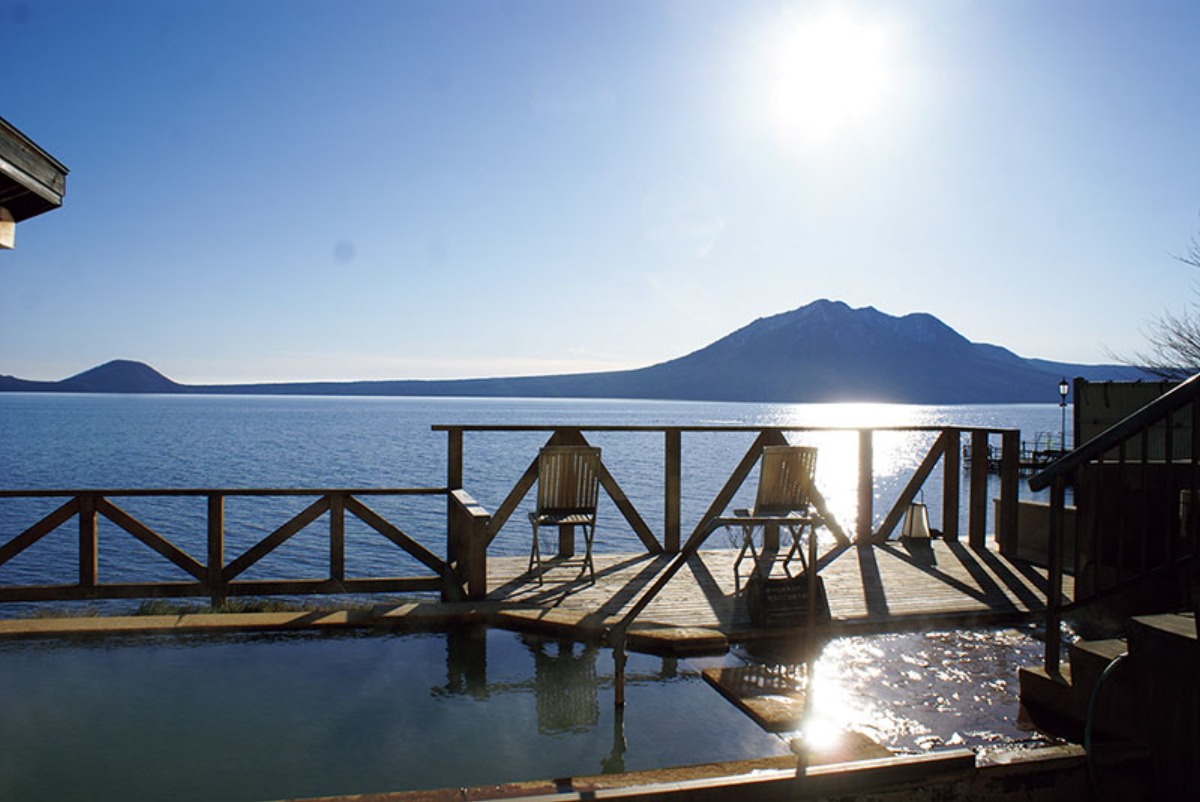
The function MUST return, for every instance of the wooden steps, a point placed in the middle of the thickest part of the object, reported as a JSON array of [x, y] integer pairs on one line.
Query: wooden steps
[[1066, 695], [1150, 700]]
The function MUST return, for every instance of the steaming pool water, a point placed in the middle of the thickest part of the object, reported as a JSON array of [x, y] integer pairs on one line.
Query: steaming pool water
[[256, 717]]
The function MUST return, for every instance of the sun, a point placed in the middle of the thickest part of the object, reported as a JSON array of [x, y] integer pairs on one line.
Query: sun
[[829, 73]]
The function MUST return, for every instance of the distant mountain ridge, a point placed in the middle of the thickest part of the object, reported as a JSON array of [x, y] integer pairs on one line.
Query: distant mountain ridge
[[824, 351], [117, 376]]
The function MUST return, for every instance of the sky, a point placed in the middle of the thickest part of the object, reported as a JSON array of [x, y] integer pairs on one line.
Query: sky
[[279, 190]]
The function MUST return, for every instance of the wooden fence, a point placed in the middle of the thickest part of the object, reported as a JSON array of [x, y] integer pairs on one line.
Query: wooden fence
[[214, 576], [470, 529]]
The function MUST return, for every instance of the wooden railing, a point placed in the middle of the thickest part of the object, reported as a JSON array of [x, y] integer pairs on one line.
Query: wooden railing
[[214, 576], [946, 449], [471, 530], [1136, 490]]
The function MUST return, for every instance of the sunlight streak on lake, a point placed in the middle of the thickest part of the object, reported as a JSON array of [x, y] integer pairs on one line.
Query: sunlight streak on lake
[[895, 455]]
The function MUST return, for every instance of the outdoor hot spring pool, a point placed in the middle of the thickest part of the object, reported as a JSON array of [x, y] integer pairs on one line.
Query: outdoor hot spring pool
[[259, 717], [267, 717]]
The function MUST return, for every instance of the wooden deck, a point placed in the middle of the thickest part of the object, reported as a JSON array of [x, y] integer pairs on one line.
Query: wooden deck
[[880, 588], [870, 589]]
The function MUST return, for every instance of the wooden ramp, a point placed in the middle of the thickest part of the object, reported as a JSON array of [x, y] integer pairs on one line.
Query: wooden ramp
[[870, 588]]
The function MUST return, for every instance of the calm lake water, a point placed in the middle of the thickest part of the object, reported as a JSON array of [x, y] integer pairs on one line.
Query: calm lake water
[[910, 691]]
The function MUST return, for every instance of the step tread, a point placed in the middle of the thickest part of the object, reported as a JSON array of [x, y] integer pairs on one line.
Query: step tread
[[1092, 657]]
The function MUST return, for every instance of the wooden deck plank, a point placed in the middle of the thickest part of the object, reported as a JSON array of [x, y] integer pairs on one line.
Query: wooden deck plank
[[869, 588]]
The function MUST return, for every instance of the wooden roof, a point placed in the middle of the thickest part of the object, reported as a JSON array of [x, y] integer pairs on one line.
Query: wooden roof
[[31, 180]]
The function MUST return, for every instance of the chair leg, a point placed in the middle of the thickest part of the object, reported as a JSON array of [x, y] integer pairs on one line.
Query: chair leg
[[793, 549], [737, 564], [755, 554], [747, 543], [797, 534], [535, 555], [589, 536]]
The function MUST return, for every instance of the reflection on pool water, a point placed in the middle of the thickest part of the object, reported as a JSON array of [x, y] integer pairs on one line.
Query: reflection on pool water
[[918, 691], [271, 716], [266, 717]]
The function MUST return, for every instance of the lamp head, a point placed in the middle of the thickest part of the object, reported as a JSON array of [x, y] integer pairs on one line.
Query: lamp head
[[1063, 388]]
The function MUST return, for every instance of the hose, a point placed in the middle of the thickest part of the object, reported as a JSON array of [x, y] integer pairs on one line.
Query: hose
[[1090, 720]]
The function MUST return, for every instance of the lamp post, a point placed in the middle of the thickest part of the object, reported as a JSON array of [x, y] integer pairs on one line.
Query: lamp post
[[1063, 389]]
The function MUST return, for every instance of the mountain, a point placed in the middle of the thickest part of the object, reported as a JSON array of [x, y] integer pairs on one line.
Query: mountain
[[825, 351], [117, 376]]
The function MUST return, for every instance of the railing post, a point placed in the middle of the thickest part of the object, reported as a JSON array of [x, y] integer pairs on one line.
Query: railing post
[[951, 462], [1010, 488], [672, 484], [216, 549], [337, 536], [977, 501], [1054, 588], [468, 528], [476, 547], [454, 481], [454, 459], [88, 541], [866, 487]]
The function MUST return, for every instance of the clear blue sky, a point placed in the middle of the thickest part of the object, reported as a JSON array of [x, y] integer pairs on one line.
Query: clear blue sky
[[279, 190]]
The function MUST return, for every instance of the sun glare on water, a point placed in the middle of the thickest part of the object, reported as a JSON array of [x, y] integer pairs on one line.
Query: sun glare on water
[[829, 73]]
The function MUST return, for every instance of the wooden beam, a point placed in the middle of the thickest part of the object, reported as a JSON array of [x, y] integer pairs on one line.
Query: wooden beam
[[950, 482], [36, 179], [728, 490], [151, 538], [122, 590], [269, 543], [977, 498], [216, 548], [866, 487], [470, 520], [39, 530], [89, 546], [672, 486], [828, 520], [337, 535], [265, 587], [628, 511], [1010, 489], [454, 481], [394, 534], [910, 491], [514, 499]]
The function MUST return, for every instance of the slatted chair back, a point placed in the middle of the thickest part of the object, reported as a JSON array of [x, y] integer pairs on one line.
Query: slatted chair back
[[785, 479], [568, 480]]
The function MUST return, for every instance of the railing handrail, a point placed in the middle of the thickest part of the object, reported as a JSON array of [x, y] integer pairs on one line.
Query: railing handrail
[[225, 491], [603, 427], [1157, 409]]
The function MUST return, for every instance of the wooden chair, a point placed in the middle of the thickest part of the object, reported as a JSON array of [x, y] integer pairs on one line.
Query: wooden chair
[[784, 500], [568, 491]]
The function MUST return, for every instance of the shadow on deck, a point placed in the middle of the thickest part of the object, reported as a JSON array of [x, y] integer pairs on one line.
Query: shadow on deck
[[893, 586]]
